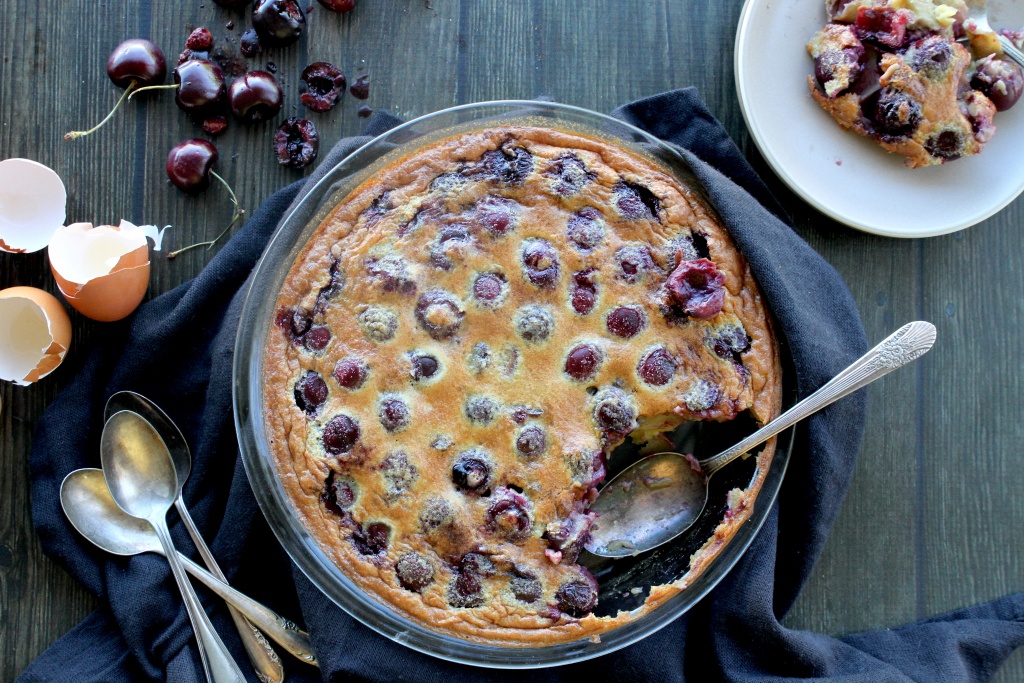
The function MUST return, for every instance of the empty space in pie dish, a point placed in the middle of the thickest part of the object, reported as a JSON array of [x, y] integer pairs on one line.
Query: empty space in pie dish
[[32, 205], [35, 333], [103, 271]]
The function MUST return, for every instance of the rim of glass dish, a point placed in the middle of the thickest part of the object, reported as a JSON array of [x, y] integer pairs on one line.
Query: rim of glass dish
[[254, 323]]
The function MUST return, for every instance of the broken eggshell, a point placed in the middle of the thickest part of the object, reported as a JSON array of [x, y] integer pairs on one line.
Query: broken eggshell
[[32, 205], [35, 333], [102, 271]]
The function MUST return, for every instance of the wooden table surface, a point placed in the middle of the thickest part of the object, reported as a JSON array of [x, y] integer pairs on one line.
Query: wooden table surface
[[932, 521]]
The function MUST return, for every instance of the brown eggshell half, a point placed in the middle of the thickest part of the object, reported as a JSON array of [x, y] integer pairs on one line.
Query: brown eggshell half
[[35, 334], [108, 296]]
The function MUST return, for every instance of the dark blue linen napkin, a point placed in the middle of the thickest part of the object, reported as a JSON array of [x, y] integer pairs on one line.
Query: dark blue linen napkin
[[177, 349]]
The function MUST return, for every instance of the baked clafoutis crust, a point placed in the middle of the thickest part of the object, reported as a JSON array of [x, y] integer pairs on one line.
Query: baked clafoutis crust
[[463, 341]]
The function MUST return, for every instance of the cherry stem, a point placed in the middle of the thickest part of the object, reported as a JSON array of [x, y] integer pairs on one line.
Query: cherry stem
[[239, 212], [75, 134], [169, 86]]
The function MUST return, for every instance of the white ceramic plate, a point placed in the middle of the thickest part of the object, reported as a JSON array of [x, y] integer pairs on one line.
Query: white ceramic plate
[[848, 177]]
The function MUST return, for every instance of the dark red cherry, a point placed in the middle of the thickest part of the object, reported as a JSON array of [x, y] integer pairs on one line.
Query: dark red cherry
[[310, 392], [540, 262], [340, 434], [325, 84], [465, 590], [586, 228], [896, 113], [424, 366], [698, 287], [249, 44], [614, 411], [255, 97], [582, 362], [626, 322], [508, 165], [578, 598], [882, 25], [496, 215], [634, 262], [1001, 80], [278, 22], [360, 88], [393, 414], [351, 373], [532, 441], [296, 143], [201, 91], [215, 125], [947, 145], [472, 471], [508, 514], [317, 338], [338, 5], [413, 570], [635, 201], [930, 56], [569, 175], [567, 536], [657, 367], [136, 60], [527, 588], [189, 164], [372, 539], [584, 291], [489, 287], [339, 494]]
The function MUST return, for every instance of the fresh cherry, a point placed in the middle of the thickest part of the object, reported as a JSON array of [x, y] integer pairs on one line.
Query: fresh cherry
[[278, 22], [255, 97], [189, 167], [296, 143], [338, 5], [201, 91], [136, 63], [325, 84]]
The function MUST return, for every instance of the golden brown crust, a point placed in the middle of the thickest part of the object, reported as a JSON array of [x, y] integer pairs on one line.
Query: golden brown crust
[[387, 239]]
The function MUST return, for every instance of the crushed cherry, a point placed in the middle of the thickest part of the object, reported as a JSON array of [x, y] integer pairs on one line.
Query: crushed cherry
[[360, 87], [930, 56], [636, 202], [439, 313], [657, 367], [200, 39], [472, 471], [489, 287], [413, 570], [372, 539], [582, 362], [310, 392], [278, 22], [1001, 80], [255, 97], [215, 125], [393, 414], [340, 434], [509, 165], [424, 366], [325, 84], [569, 535], [578, 597], [882, 25], [584, 291], [540, 262], [896, 113], [351, 373], [531, 441], [586, 228], [698, 287], [569, 175], [339, 6], [508, 514], [626, 322], [392, 273], [534, 323], [249, 44], [296, 143]]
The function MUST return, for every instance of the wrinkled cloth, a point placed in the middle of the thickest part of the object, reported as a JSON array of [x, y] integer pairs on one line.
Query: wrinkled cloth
[[177, 349]]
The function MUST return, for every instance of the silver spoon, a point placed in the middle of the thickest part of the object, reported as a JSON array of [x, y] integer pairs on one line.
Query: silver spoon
[[264, 660], [656, 499], [92, 511], [977, 24], [143, 483]]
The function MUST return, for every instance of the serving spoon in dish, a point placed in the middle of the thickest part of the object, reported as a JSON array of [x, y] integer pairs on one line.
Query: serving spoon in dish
[[659, 497]]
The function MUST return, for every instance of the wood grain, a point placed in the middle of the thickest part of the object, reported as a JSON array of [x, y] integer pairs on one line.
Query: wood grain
[[932, 520]]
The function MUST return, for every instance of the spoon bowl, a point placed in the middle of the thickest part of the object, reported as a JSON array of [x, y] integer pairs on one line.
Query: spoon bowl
[[94, 514]]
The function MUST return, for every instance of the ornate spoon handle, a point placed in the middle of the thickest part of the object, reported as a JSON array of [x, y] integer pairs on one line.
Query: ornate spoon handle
[[904, 345]]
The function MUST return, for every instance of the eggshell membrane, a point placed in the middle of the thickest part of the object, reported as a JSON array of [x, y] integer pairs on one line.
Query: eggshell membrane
[[102, 271], [35, 334], [32, 205]]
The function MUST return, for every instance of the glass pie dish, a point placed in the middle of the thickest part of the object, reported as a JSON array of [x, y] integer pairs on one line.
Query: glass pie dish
[[623, 583]]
